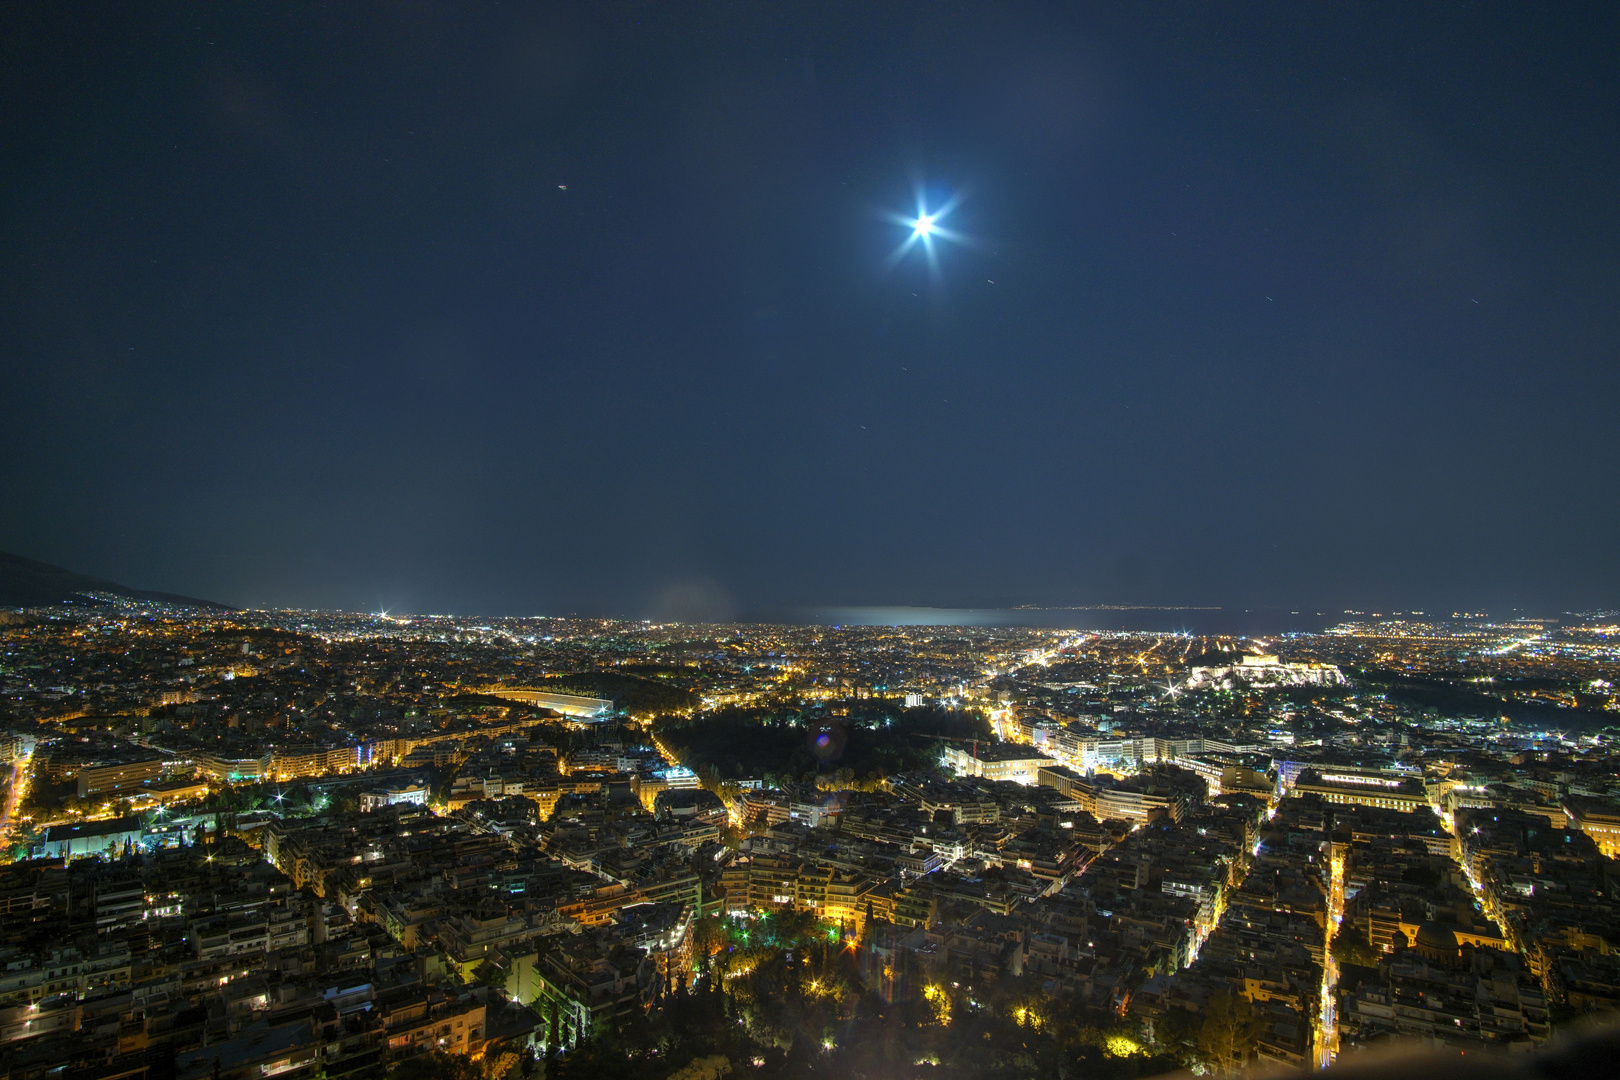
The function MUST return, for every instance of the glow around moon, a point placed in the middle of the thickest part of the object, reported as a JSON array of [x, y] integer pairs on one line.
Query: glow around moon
[[924, 228]]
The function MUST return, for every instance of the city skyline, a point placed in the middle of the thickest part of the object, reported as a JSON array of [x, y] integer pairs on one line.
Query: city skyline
[[377, 846], [26, 583]]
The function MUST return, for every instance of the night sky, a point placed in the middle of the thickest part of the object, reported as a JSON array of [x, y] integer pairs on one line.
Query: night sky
[[510, 309]]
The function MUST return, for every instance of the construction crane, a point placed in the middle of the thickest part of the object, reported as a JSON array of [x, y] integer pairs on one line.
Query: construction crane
[[954, 738]]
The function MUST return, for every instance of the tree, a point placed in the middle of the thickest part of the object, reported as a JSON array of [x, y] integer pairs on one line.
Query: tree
[[1177, 1032], [1230, 1031], [1350, 947], [435, 1065], [704, 1068]]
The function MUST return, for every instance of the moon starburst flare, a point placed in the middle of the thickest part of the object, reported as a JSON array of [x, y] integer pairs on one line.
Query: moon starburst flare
[[924, 228]]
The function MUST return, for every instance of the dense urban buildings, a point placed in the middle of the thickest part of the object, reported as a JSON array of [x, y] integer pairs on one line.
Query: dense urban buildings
[[301, 844]]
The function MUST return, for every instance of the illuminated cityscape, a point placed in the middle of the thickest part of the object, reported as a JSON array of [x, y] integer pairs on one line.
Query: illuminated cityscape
[[248, 843], [809, 540]]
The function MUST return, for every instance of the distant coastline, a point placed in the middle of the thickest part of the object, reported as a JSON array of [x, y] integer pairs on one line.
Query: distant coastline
[[1235, 622], [1114, 607]]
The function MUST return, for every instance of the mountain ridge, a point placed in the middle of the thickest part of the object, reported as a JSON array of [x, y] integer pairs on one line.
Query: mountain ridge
[[28, 582]]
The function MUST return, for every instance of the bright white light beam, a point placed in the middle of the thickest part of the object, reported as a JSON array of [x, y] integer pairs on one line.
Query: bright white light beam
[[925, 230]]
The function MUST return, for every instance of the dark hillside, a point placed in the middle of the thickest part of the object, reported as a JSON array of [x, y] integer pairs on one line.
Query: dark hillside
[[30, 583]]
